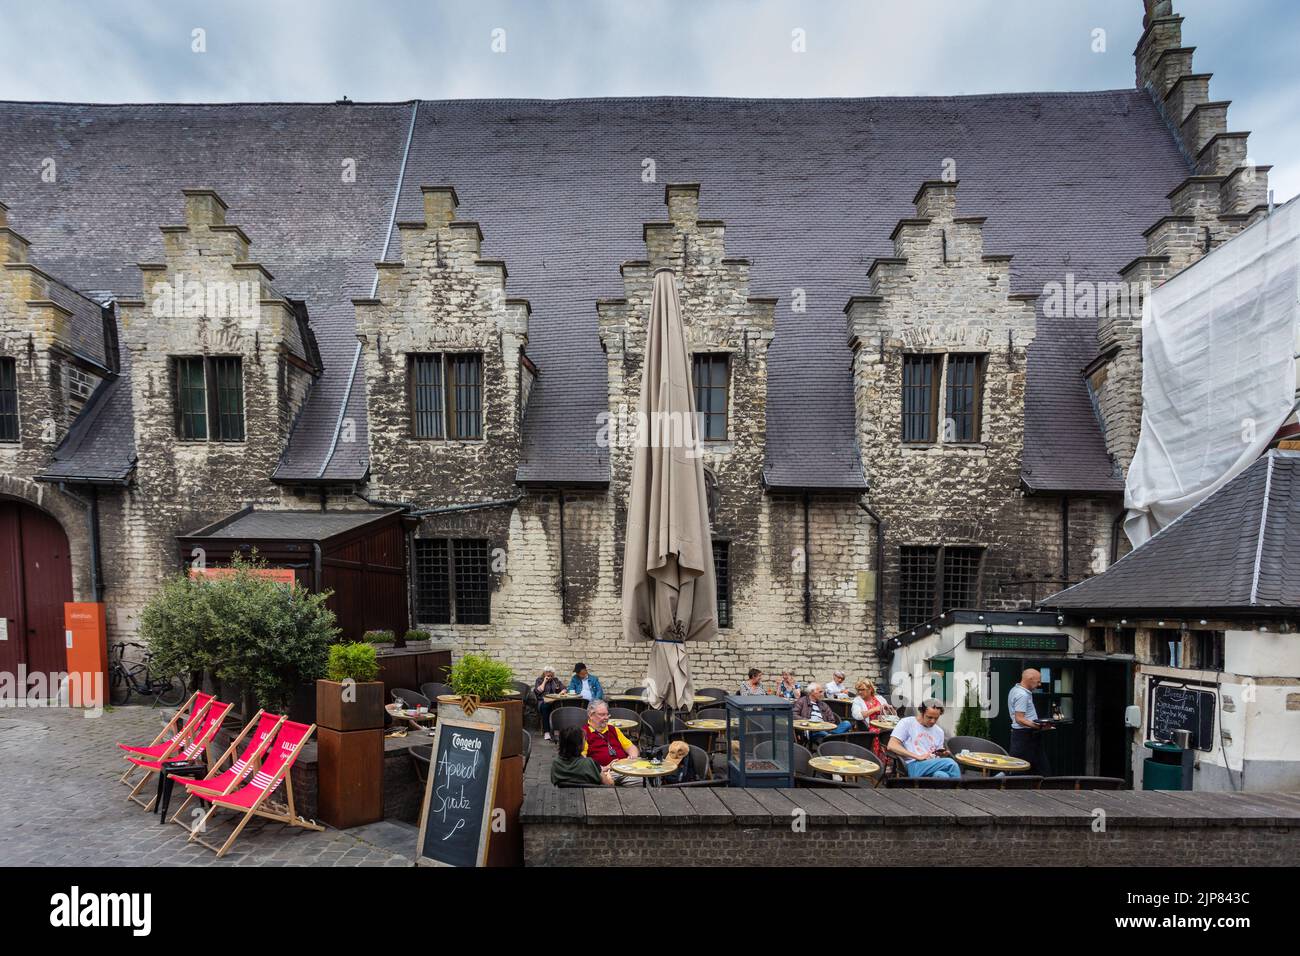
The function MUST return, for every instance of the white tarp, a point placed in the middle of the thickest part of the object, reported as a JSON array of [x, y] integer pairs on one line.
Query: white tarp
[[1219, 342]]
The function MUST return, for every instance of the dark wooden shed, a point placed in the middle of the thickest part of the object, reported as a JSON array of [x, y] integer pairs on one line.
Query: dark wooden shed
[[360, 556]]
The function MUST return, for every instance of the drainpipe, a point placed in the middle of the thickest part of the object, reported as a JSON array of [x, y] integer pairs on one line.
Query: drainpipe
[[92, 519], [1065, 540], [880, 571], [807, 565], [564, 579], [1116, 527], [316, 574]]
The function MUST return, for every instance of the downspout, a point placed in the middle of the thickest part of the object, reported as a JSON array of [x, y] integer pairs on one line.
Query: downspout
[[807, 564], [880, 571], [564, 579], [1115, 527], [92, 520], [1065, 541], [317, 576]]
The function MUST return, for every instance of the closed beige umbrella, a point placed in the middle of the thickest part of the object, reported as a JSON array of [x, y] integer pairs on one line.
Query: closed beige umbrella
[[669, 588]]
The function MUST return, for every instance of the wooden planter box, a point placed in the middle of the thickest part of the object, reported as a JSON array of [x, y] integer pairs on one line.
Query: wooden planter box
[[350, 781], [512, 723], [364, 713]]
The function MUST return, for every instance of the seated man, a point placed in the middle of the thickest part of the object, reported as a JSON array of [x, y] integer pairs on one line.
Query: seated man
[[812, 706], [919, 741], [605, 744], [836, 686]]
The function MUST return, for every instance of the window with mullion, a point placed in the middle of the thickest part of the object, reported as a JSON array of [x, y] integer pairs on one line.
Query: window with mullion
[[920, 389], [453, 580], [191, 399], [711, 374], [473, 586], [965, 387], [228, 389], [427, 409], [9, 431], [433, 580], [917, 577], [961, 572], [466, 373]]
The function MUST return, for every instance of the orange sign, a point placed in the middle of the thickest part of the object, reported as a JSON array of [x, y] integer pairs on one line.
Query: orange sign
[[283, 575], [85, 637]]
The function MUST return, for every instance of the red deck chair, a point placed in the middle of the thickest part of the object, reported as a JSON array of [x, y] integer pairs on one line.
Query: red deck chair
[[254, 798], [162, 749], [262, 727], [187, 749]]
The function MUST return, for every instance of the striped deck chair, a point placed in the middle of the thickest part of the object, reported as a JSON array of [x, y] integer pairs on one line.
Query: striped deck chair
[[187, 749], [170, 739], [218, 781], [254, 798]]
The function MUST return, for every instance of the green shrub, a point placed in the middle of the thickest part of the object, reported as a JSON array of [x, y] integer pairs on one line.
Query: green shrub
[[481, 677], [378, 637], [416, 636], [263, 635], [970, 722], [356, 661]]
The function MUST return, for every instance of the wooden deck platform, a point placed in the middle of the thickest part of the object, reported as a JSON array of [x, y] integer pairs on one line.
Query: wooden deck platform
[[851, 826]]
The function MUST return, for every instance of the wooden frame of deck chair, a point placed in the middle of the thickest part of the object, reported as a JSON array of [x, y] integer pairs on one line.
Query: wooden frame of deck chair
[[164, 749], [214, 716], [254, 798], [263, 727]]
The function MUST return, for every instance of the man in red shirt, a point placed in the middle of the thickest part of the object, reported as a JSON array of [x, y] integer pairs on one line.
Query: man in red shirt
[[605, 744]]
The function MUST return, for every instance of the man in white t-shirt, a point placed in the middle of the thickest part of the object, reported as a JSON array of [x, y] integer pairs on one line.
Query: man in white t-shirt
[[919, 741], [835, 686]]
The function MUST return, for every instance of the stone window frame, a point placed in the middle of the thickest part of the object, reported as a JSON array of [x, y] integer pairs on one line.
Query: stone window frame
[[448, 412], [9, 407], [939, 389], [713, 356], [453, 552], [215, 414]]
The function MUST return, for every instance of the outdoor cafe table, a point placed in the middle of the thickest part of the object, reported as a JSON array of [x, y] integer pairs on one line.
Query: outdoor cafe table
[[623, 723], [807, 727], [845, 766], [642, 768], [563, 700], [410, 716], [985, 763], [712, 725]]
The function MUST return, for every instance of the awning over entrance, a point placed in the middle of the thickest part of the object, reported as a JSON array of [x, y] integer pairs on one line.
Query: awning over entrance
[[360, 556]]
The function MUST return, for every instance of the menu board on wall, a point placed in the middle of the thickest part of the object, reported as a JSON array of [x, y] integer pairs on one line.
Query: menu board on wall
[[455, 821], [1182, 707]]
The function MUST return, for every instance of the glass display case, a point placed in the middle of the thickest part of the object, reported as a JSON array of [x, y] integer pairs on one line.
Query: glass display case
[[760, 741]]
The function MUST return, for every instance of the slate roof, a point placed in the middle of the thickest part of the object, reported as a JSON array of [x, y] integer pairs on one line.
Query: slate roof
[[809, 191], [1238, 550], [290, 525]]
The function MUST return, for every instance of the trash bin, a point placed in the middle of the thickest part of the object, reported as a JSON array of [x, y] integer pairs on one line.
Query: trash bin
[[1168, 768]]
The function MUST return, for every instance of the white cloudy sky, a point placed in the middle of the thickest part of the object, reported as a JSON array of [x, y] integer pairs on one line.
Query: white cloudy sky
[[133, 50]]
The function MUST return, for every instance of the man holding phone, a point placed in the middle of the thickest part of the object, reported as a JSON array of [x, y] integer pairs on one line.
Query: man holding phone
[[919, 741]]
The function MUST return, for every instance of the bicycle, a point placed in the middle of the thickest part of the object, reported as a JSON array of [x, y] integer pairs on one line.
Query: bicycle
[[136, 677]]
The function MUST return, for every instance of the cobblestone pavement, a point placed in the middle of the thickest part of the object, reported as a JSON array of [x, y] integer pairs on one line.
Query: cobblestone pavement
[[61, 805]]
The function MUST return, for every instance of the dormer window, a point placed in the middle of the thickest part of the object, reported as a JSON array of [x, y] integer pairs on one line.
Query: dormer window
[[446, 395], [209, 394]]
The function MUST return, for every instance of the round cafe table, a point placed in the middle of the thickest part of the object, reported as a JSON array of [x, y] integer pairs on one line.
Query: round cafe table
[[410, 716], [710, 723], [885, 724], [808, 727], [632, 701], [562, 700], [845, 766], [622, 723], [640, 767], [992, 763]]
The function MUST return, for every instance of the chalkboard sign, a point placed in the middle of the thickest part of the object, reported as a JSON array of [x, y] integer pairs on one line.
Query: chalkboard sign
[[1178, 707], [456, 818]]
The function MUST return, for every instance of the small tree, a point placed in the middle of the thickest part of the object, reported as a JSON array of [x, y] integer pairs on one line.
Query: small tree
[[242, 627], [971, 722]]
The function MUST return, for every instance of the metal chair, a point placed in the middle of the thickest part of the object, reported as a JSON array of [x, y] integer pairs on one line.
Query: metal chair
[[712, 713], [834, 747], [525, 689], [717, 692], [703, 739], [528, 747], [625, 713], [977, 745], [563, 717], [1082, 783], [703, 778], [653, 721], [420, 758], [433, 690], [859, 738], [411, 698]]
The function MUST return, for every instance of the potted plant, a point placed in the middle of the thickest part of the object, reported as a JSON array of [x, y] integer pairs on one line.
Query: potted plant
[[349, 697], [488, 680], [380, 638], [414, 637]]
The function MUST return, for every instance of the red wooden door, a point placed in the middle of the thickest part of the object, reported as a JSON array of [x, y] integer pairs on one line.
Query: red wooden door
[[35, 581]]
